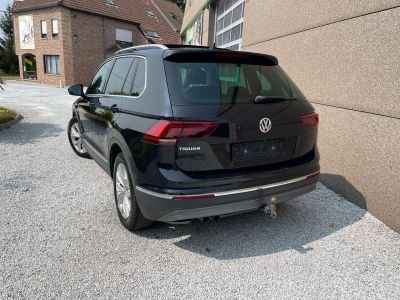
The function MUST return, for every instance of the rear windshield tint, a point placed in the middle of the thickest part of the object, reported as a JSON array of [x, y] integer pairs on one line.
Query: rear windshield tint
[[226, 83]]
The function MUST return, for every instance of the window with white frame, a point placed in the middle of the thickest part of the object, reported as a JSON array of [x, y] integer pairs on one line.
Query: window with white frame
[[229, 24], [54, 28], [43, 25]]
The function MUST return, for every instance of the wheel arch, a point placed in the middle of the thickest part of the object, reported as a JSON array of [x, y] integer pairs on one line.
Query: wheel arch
[[75, 109], [115, 149], [116, 145]]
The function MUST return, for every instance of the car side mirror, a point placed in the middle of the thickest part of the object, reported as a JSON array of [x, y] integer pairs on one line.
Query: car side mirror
[[77, 90]]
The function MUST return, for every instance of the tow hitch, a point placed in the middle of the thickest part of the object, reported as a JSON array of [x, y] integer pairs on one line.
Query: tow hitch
[[271, 210]]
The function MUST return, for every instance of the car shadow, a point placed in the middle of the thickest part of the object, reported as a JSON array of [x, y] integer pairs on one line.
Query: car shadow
[[344, 188], [300, 222], [29, 133]]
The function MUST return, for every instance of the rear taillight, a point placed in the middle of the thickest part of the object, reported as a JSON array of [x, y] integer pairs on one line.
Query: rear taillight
[[170, 131], [311, 120]]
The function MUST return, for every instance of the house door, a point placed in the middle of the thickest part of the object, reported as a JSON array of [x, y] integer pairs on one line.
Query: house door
[[29, 66]]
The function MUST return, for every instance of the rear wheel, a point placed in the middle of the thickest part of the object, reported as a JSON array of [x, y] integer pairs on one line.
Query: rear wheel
[[128, 210], [75, 138]]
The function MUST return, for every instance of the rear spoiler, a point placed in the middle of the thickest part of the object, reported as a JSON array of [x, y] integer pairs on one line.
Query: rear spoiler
[[222, 56]]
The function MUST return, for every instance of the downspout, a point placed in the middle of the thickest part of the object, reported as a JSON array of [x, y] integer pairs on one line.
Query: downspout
[[104, 39]]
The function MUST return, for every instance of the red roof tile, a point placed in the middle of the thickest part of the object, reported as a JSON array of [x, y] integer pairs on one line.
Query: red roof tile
[[134, 11]]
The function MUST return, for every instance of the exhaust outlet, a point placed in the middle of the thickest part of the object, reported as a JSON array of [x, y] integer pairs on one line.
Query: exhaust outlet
[[209, 219]]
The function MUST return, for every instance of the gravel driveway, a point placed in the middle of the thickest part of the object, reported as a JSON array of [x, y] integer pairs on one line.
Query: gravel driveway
[[60, 236]]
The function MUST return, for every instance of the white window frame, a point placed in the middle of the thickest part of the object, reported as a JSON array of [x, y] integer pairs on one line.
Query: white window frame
[[55, 32], [238, 22], [43, 29]]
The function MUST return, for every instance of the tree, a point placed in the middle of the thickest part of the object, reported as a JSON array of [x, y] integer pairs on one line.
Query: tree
[[181, 3], [8, 59]]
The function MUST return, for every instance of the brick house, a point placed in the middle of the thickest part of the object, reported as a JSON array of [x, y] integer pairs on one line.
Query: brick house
[[62, 42]]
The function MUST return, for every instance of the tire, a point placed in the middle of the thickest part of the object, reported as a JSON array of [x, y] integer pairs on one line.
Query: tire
[[75, 140], [129, 213]]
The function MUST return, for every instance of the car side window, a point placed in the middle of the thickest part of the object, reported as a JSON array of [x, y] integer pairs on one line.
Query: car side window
[[99, 80], [119, 76], [126, 89], [140, 78]]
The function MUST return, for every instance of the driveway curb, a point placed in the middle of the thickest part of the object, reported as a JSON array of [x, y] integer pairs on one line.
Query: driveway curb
[[12, 122]]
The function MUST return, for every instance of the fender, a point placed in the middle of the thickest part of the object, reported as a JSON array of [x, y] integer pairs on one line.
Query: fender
[[75, 109], [117, 139]]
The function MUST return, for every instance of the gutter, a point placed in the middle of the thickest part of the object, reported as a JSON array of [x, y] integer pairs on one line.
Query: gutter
[[60, 4], [99, 15], [25, 9]]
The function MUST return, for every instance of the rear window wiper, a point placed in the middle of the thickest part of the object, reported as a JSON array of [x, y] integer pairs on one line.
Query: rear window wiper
[[267, 99]]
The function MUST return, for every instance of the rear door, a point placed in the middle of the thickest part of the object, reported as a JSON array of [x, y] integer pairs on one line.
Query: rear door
[[257, 107]]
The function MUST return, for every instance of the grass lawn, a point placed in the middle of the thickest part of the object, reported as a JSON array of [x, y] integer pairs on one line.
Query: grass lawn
[[6, 115]]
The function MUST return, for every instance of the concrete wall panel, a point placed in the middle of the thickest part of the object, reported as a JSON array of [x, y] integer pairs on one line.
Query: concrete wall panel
[[283, 17], [364, 150], [353, 64], [351, 68]]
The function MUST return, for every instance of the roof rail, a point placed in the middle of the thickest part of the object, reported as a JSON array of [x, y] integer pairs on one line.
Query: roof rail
[[142, 47]]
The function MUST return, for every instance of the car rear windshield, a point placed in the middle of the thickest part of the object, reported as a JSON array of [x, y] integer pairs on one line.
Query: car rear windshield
[[226, 83]]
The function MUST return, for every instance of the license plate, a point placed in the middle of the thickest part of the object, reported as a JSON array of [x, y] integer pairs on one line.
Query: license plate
[[252, 150]]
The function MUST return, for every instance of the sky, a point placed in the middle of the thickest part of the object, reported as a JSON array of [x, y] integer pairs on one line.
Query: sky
[[4, 3], [3, 6]]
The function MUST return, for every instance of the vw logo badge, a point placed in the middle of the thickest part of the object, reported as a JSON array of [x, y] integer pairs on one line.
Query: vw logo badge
[[265, 125]]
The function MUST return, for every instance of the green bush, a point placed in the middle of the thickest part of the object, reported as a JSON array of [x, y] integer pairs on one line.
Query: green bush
[[6, 115]]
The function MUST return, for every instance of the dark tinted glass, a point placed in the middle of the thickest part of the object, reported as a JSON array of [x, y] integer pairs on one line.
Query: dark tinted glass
[[140, 77], [127, 88], [99, 80], [118, 76], [237, 13], [235, 33], [214, 83], [228, 19]]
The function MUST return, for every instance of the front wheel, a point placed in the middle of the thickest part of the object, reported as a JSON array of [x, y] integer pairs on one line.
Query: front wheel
[[75, 138], [128, 210]]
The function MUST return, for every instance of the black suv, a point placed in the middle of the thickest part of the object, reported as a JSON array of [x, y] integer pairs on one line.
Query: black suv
[[195, 133]]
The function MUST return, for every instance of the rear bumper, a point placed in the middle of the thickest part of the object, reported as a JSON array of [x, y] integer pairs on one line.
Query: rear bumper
[[164, 207]]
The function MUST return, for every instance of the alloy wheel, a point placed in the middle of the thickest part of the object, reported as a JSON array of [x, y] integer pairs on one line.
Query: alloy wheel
[[124, 200], [76, 138]]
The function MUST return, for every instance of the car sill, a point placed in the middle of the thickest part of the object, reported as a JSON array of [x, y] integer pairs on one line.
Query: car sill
[[231, 192], [86, 143]]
